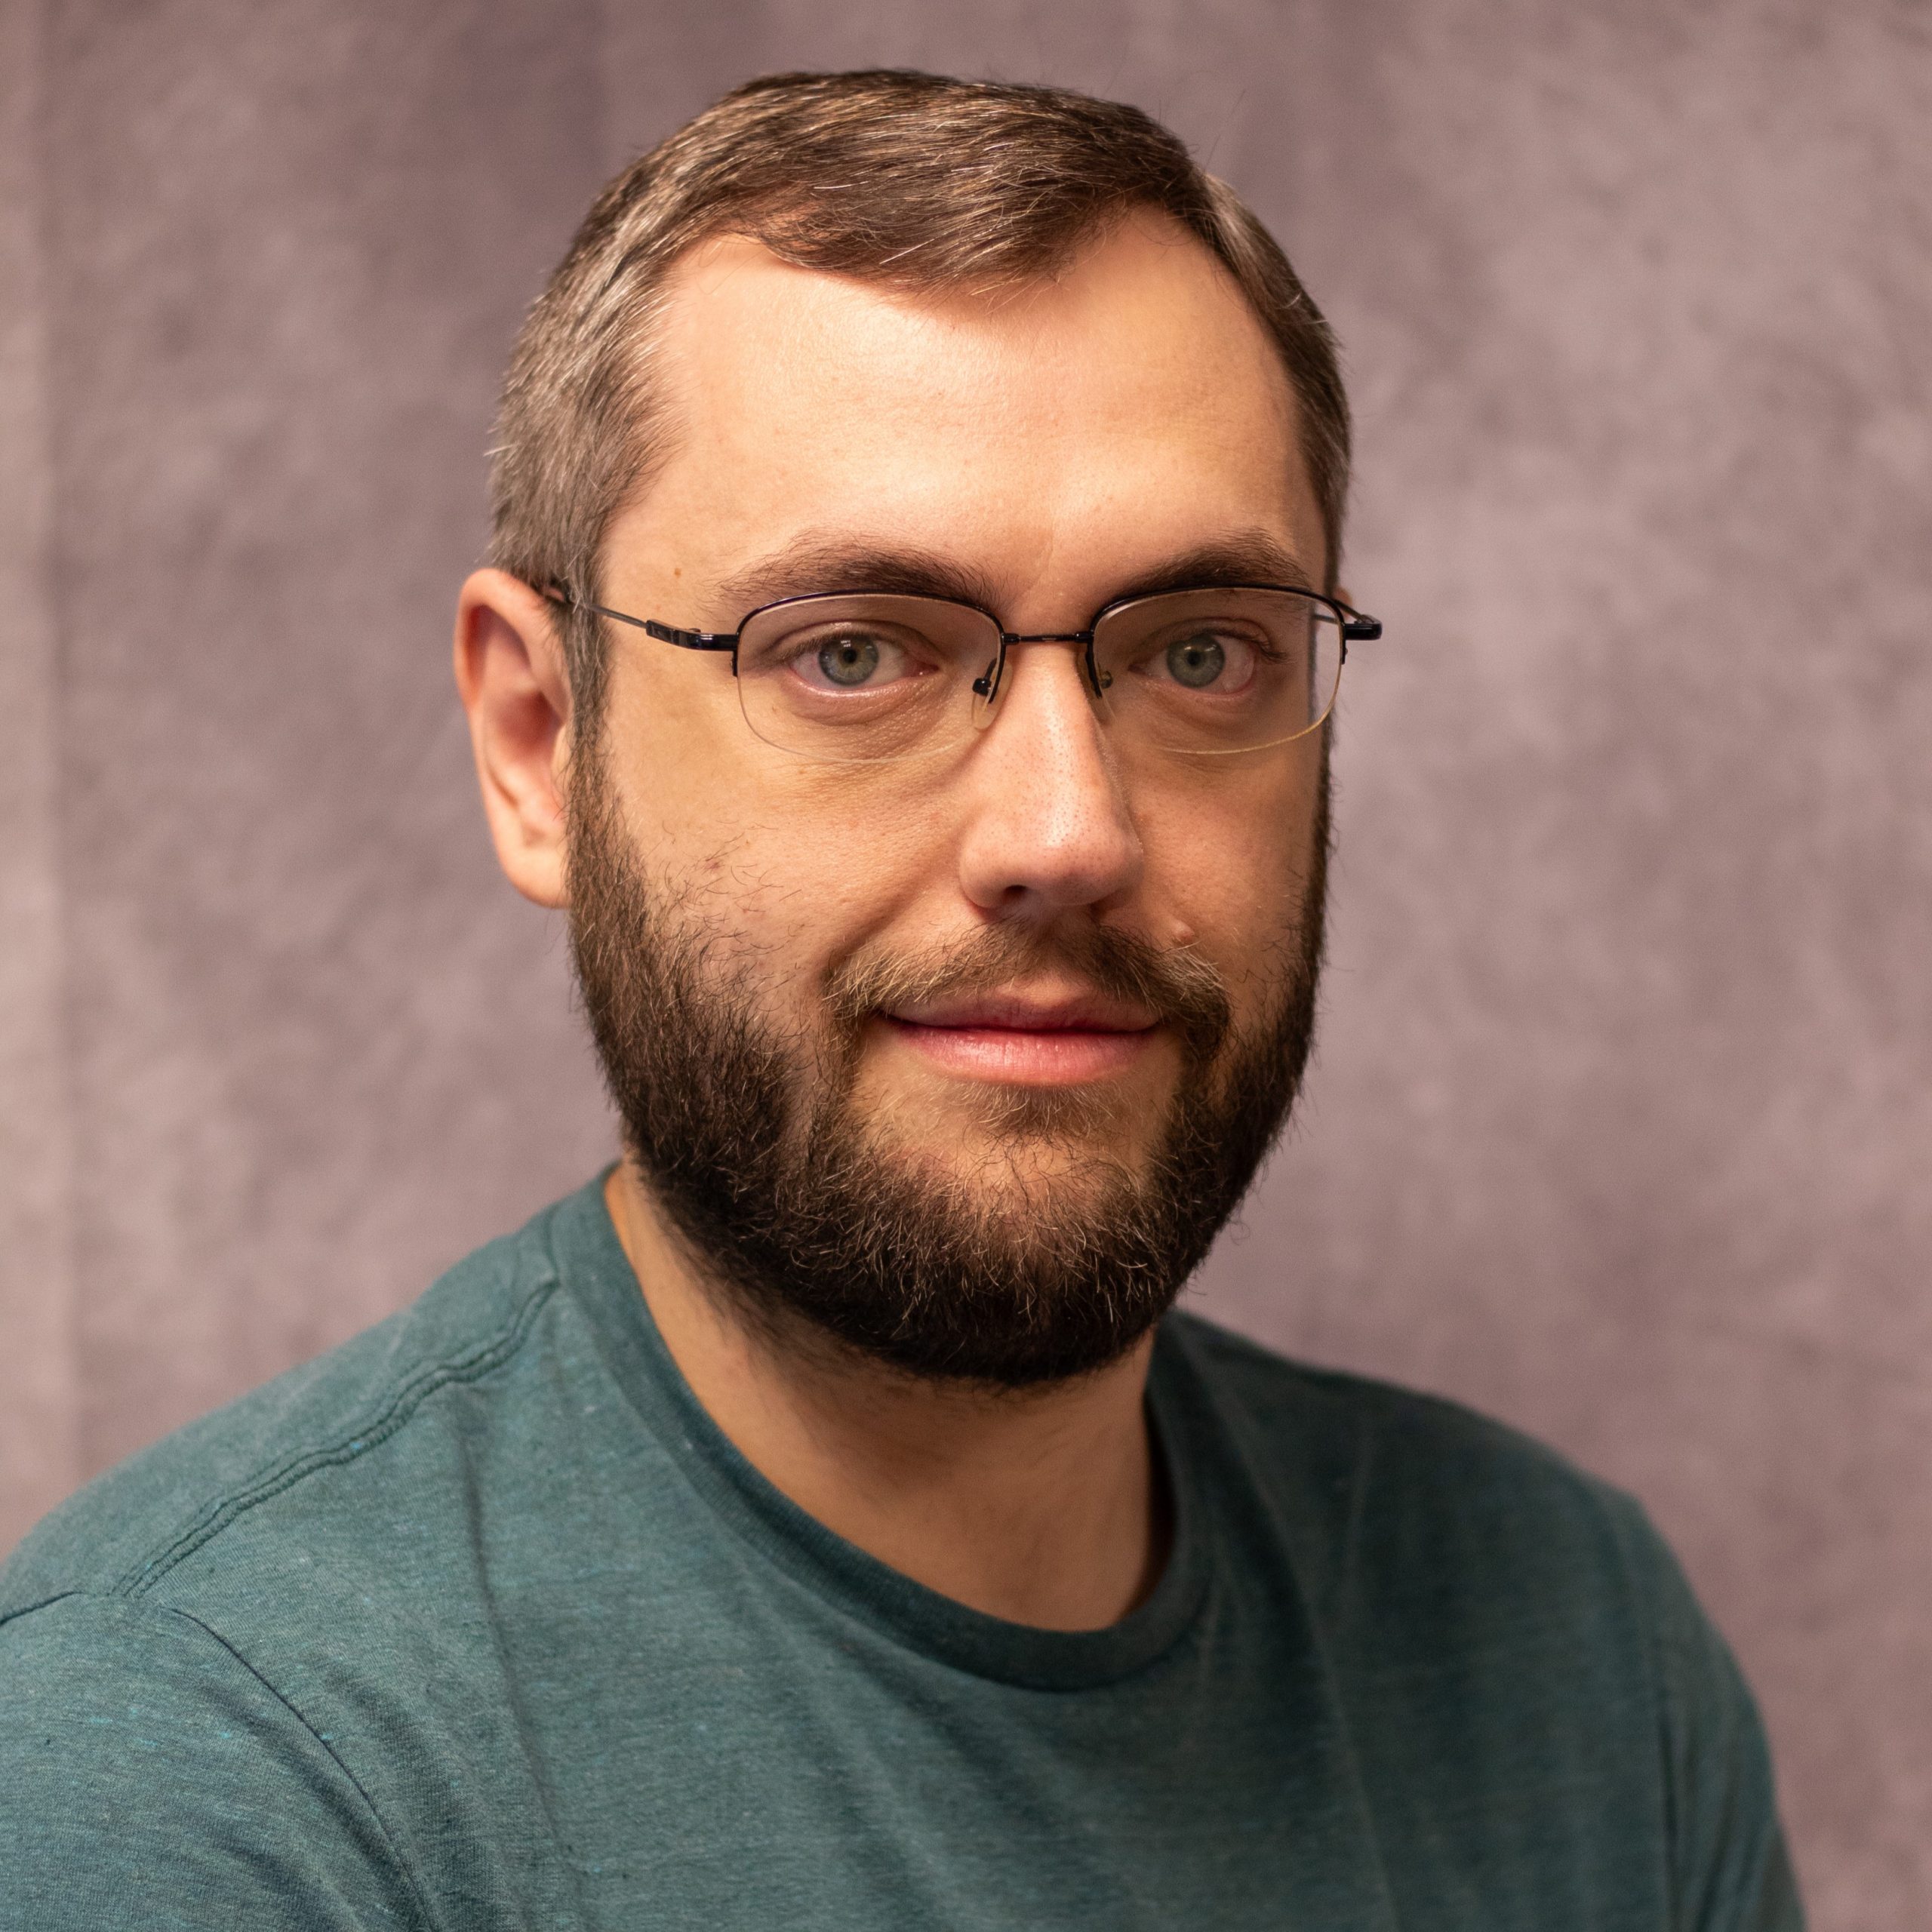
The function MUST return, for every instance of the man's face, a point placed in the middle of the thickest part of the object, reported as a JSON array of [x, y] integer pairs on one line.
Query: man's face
[[1021, 994]]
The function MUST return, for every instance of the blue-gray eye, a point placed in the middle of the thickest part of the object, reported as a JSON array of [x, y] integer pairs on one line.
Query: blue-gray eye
[[1196, 662], [849, 661]]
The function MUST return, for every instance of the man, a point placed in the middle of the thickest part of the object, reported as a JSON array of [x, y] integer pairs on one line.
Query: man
[[908, 654]]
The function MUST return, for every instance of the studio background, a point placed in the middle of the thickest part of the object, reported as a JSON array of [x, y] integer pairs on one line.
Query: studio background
[[1621, 1121]]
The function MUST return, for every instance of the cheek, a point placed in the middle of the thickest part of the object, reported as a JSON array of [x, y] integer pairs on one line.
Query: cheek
[[1232, 865], [669, 744], [786, 868]]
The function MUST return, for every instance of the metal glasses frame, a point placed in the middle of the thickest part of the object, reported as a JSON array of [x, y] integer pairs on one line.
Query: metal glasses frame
[[1354, 627]]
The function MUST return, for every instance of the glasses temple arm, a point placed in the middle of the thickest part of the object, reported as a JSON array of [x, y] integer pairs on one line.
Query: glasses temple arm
[[685, 639], [1357, 626]]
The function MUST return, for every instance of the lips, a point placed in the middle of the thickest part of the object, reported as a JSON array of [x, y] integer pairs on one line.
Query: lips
[[1016, 1012], [1016, 1038]]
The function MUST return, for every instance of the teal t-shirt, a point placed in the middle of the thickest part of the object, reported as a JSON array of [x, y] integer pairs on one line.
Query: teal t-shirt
[[479, 1622]]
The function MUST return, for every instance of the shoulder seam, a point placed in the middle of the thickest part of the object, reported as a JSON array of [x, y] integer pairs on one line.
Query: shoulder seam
[[404, 1404], [402, 1864], [39, 1603]]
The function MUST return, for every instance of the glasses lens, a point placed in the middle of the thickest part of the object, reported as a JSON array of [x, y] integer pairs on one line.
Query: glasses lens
[[861, 680], [1215, 672]]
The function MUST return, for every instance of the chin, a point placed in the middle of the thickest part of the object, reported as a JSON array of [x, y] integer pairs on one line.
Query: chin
[[1050, 1129], [1031, 1151]]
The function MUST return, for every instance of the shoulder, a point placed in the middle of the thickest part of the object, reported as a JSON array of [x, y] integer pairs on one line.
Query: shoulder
[[258, 1663], [1480, 1598], [1346, 1435], [152, 1776], [272, 1450], [1416, 1522]]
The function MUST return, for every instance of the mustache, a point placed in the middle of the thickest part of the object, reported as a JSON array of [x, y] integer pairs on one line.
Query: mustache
[[1180, 987]]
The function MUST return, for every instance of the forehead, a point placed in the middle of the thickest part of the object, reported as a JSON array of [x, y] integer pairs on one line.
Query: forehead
[[1131, 406]]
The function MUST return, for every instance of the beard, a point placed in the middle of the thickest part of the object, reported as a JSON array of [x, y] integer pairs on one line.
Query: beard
[[817, 1227]]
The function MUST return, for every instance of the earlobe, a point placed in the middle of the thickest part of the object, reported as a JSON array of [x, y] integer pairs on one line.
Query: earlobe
[[510, 674]]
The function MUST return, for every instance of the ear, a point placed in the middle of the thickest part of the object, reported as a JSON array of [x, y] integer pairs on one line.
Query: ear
[[510, 675]]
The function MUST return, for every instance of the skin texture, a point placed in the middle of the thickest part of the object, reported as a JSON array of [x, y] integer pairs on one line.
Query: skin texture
[[1055, 446]]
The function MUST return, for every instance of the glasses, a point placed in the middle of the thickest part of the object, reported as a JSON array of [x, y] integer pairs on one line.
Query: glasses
[[869, 677]]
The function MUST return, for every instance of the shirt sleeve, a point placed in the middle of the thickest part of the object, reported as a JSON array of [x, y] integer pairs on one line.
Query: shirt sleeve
[[151, 1778], [1731, 1869]]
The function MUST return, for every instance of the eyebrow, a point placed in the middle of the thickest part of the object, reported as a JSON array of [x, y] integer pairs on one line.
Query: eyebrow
[[1248, 556], [817, 563]]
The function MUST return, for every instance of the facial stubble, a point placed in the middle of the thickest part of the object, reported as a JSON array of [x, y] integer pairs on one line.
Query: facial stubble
[[1046, 1258]]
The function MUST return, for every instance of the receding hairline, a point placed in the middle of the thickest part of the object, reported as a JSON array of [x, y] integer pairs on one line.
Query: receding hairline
[[991, 285]]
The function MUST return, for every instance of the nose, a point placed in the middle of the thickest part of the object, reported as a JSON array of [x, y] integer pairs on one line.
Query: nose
[[1049, 829]]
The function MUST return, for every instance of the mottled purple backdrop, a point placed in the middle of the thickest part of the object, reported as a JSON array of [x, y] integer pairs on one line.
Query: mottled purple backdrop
[[1622, 1120]]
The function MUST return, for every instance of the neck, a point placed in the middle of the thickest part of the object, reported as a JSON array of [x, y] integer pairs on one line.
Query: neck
[[1040, 1506]]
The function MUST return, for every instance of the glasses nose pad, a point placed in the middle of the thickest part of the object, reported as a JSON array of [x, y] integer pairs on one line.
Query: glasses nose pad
[[1097, 679], [987, 688]]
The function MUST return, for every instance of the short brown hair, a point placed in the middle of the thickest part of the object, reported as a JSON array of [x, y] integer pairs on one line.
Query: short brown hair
[[911, 180]]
